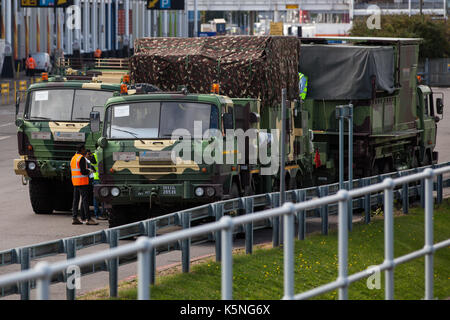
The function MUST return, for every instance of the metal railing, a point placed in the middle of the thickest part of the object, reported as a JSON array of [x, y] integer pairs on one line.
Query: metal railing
[[145, 246], [94, 63]]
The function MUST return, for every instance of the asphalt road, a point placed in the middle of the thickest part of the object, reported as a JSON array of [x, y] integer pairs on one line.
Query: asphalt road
[[19, 226]]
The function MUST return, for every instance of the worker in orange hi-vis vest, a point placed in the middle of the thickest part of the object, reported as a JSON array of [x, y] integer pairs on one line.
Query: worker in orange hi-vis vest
[[30, 65], [98, 53], [80, 182]]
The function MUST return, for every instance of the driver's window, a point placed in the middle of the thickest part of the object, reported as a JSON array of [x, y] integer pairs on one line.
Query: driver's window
[[426, 106]]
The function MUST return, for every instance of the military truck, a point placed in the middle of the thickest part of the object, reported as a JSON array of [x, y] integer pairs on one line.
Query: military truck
[[54, 121], [139, 175], [395, 119]]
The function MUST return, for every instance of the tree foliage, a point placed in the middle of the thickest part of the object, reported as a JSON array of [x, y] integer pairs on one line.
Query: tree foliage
[[435, 33]]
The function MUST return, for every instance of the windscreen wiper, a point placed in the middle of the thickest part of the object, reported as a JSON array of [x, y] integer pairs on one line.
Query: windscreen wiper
[[132, 133], [40, 118]]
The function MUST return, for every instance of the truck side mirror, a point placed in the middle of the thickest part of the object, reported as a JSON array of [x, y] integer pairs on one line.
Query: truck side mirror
[[94, 120], [227, 121], [439, 106], [17, 104], [253, 117]]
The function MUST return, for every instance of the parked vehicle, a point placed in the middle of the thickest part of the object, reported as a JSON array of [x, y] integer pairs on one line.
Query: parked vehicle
[[54, 122], [138, 175], [395, 119], [43, 62]]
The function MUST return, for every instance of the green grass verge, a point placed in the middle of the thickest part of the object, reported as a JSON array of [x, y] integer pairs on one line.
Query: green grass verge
[[260, 275]]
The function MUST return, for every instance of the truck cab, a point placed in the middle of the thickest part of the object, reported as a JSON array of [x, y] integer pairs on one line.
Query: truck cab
[[428, 111], [152, 153], [54, 121]]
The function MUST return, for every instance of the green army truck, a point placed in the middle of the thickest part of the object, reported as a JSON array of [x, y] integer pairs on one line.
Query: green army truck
[[54, 121], [146, 169], [394, 118], [139, 177]]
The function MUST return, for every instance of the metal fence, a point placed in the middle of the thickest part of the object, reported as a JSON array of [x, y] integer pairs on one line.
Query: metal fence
[[367, 195]]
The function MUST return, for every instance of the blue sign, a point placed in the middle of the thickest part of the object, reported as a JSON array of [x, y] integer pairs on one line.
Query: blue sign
[[165, 4], [207, 34]]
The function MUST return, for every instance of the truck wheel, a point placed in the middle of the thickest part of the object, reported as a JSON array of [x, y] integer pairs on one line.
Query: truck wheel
[[41, 196], [118, 216], [427, 160], [234, 191]]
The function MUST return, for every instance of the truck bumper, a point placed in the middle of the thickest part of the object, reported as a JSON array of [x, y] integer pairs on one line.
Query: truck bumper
[[161, 194], [42, 168]]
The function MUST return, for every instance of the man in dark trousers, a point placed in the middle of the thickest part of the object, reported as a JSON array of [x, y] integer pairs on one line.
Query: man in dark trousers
[[80, 181]]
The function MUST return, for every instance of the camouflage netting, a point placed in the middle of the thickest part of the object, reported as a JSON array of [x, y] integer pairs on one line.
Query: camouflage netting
[[245, 66]]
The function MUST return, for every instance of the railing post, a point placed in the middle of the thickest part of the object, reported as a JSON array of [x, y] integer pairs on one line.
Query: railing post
[[343, 243], [43, 282], [186, 244], [25, 265], [439, 189], [367, 204], [219, 214], [302, 217], [113, 264], [227, 258], [151, 233], [289, 252], [422, 193], [429, 257], [71, 253], [405, 197], [275, 221], [323, 191], [249, 227], [144, 268], [350, 164], [389, 237]]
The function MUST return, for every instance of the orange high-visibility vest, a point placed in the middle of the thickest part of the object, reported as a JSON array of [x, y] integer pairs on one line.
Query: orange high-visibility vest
[[97, 53], [77, 178]]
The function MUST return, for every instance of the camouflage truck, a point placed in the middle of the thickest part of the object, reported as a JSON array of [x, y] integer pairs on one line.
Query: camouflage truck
[[55, 120], [394, 118], [140, 178]]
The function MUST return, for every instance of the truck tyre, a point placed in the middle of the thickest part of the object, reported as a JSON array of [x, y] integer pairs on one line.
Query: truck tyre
[[234, 193], [41, 196], [118, 216]]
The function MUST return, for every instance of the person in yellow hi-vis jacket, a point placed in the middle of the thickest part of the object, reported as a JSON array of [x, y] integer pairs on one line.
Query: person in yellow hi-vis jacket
[[95, 179], [303, 85]]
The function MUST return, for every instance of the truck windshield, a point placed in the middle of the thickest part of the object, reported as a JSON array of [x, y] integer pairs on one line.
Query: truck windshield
[[65, 104], [158, 119]]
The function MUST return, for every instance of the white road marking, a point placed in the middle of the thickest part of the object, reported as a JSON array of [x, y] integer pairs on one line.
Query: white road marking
[[4, 138], [6, 124]]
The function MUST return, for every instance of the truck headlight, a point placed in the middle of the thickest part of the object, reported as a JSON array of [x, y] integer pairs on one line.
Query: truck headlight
[[199, 192], [115, 192], [31, 165], [104, 192]]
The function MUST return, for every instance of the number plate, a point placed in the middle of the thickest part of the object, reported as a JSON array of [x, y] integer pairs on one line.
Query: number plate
[[69, 136], [41, 135], [169, 190], [150, 156], [124, 156]]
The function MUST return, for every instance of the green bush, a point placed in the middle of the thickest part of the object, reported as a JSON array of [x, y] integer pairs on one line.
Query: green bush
[[436, 33]]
